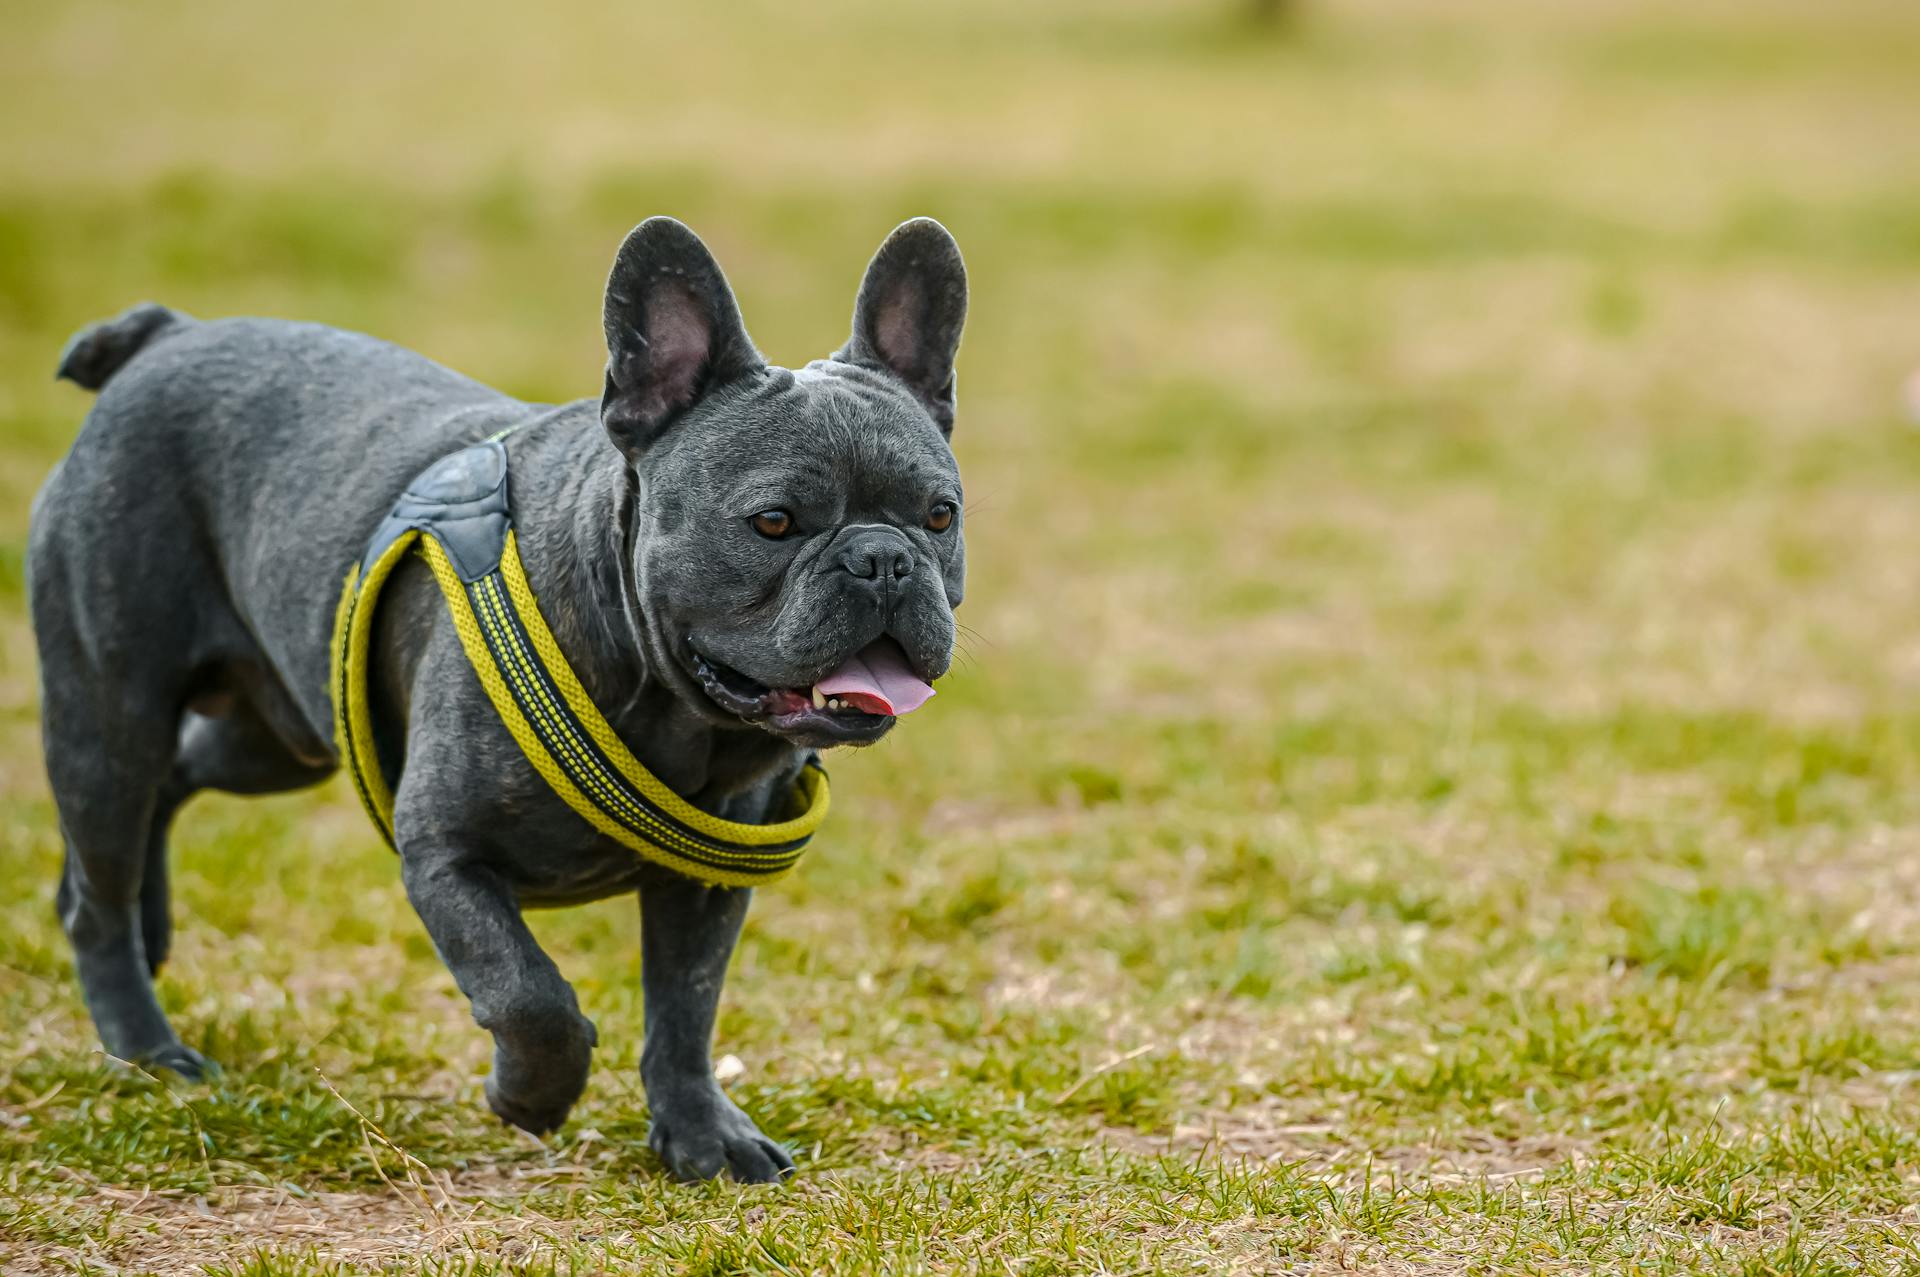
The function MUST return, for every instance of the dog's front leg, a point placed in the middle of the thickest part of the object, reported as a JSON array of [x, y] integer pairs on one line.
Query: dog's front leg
[[542, 1044], [687, 935]]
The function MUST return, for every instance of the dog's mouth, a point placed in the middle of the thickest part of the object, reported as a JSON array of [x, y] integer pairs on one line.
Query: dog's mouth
[[855, 704]]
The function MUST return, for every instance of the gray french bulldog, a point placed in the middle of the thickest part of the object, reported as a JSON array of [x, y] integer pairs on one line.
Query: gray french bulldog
[[717, 544]]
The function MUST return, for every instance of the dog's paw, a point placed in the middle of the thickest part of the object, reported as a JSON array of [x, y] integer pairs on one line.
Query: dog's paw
[[185, 1061], [534, 1115], [176, 1058], [539, 1070], [709, 1136]]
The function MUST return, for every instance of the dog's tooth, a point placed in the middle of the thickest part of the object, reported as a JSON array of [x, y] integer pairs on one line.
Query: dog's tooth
[[833, 702], [819, 701]]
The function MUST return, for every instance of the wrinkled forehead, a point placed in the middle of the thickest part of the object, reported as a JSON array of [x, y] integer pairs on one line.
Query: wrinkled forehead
[[829, 427]]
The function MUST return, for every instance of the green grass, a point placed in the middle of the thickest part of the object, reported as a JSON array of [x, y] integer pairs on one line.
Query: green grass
[[1433, 782]]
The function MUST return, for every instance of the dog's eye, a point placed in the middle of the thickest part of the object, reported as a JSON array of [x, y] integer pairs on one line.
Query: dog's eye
[[772, 523], [940, 518]]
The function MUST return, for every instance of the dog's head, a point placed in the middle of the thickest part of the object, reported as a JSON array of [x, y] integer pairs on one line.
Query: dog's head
[[797, 534]]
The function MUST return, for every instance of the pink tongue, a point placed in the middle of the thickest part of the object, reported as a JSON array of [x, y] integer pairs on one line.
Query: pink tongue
[[877, 680]]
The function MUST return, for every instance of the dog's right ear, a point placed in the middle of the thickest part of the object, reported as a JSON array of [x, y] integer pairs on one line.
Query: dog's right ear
[[673, 333]]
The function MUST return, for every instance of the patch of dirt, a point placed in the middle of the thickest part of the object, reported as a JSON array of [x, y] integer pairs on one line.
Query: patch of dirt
[[175, 1233]]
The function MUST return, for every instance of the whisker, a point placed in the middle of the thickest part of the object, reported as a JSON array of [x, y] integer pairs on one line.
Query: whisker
[[973, 634]]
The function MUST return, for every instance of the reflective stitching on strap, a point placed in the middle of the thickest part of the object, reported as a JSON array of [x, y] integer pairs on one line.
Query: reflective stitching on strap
[[526, 610], [535, 690], [565, 744], [550, 715]]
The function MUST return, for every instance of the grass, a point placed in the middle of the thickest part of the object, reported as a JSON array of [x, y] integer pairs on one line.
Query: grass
[[1434, 782]]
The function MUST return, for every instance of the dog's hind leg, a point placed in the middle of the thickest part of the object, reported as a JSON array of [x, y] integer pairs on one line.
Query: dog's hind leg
[[156, 910], [108, 759], [240, 735], [115, 677]]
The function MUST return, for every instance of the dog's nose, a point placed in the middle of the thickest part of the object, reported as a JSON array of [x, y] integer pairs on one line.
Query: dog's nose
[[875, 554]]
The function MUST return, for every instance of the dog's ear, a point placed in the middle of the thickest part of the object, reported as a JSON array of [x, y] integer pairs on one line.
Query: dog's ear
[[912, 305], [673, 333]]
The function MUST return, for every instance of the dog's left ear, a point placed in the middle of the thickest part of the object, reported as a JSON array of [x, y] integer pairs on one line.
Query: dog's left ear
[[912, 305], [673, 333]]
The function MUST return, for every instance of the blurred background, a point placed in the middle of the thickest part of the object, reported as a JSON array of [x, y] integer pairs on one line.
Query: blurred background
[[1294, 334], [1439, 505]]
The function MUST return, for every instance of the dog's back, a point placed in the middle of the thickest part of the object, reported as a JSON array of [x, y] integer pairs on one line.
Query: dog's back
[[227, 475]]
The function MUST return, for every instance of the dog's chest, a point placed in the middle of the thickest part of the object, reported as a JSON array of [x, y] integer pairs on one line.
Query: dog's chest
[[493, 800], [575, 866]]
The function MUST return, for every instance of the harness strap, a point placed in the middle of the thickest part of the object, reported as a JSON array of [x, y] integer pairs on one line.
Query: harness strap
[[453, 523]]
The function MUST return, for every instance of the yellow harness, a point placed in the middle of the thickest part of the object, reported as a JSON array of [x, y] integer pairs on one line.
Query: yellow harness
[[456, 514]]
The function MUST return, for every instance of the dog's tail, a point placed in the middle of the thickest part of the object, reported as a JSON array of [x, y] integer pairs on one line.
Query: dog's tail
[[101, 350]]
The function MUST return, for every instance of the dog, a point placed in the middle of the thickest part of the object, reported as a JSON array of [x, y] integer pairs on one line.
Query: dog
[[714, 541]]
